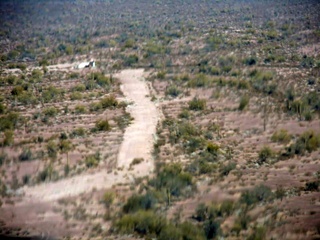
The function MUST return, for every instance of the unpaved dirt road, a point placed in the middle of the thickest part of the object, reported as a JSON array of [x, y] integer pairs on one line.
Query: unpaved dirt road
[[139, 136], [138, 143]]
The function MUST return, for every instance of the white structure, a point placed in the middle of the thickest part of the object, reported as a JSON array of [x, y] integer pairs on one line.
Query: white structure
[[92, 64]]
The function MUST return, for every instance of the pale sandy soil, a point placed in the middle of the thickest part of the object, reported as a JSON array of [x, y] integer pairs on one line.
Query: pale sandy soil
[[139, 136], [138, 143]]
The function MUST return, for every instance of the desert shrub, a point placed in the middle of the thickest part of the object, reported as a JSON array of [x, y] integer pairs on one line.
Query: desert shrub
[[170, 232], [242, 222], [94, 107], [27, 98], [258, 233], [73, 75], [161, 74], [78, 132], [124, 120], [212, 148], [265, 154], [52, 149], [250, 61], [215, 71], [184, 114], [307, 62], [312, 186], [3, 158], [51, 94], [79, 88], [136, 161], [197, 104], [17, 90], [191, 232], [172, 179], [141, 222], [92, 160], [244, 101], [199, 81], [9, 121], [50, 111], [102, 125], [227, 168], [205, 167], [183, 130], [173, 91], [130, 60], [76, 96], [308, 141], [258, 194], [109, 102], [108, 198], [226, 69], [3, 108], [281, 136], [202, 212], [8, 138], [194, 144], [80, 109], [211, 228], [139, 202], [26, 155]]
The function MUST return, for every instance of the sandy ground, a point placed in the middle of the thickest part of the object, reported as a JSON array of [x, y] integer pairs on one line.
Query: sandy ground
[[138, 143], [138, 137]]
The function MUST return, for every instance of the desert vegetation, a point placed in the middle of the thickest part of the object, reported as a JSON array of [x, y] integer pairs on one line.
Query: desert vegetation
[[237, 147]]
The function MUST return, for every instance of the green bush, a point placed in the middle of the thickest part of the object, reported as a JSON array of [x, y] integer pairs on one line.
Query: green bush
[[173, 91], [3, 158], [281, 136], [130, 60], [8, 138], [141, 222], [227, 168], [79, 88], [52, 149], [76, 96], [265, 154], [102, 125], [170, 232], [50, 111], [92, 160], [312, 186], [3, 108], [197, 104], [172, 179], [78, 132], [244, 101], [211, 229], [80, 109], [250, 61], [108, 198], [51, 94], [9, 121], [109, 102], [139, 202], [26, 155], [260, 193]]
